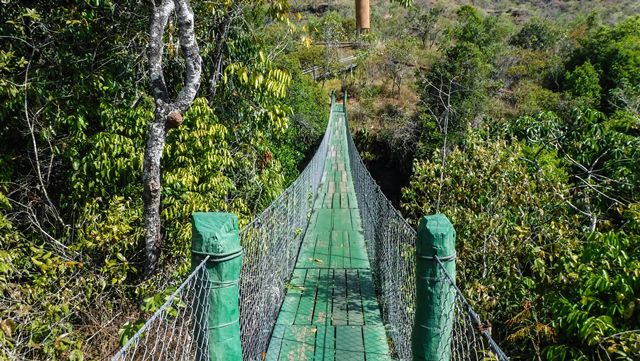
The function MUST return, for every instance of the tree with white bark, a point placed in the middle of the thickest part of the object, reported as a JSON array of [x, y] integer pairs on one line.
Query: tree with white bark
[[168, 112]]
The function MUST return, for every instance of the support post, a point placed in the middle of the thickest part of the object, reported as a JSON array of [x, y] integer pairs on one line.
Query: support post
[[217, 314], [344, 101], [362, 16], [435, 295]]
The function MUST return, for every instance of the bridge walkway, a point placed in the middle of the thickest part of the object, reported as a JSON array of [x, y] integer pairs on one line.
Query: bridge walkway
[[330, 311]]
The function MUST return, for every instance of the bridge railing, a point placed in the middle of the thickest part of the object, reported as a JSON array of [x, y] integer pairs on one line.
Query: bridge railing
[[391, 246]]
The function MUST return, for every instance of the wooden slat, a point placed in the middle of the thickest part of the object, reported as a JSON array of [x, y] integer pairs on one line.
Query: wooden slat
[[322, 311], [369, 302], [342, 219], [339, 311], [273, 352], [349, 344], [320, 342], [306, 255], [304, 315], [375, 342], [292, 298], [329, 344], [357, 250], [354, 299], [298, 343], [337, 250]]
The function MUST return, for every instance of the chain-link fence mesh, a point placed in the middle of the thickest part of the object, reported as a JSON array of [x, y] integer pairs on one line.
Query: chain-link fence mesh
[[391, 249], [173, 332]]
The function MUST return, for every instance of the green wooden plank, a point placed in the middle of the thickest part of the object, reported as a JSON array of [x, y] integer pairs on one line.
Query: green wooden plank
[[324, 221], [349, 344], [304, 315], [335, 200], [346, 252], [375, 341], [344, 200], [339, 312], [369, 302], [307, 250], [343, 250], [356, 222], [341, 219], [292, 298], [275, 344], [322, 313], [357, 250], [298, 343], [354, 299], [328, 197], [337, 250], [329, 344], [320, 342], [353, 200], [377, 357], [322, 254]]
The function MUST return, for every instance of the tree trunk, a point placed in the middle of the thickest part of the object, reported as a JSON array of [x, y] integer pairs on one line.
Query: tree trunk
[[156, 138]]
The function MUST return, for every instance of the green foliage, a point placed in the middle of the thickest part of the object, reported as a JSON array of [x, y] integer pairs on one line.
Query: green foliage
[[454, 89], [600, 283], [584, 83], [615, 54], [536, 34], [425, 23], [525, 262], [71, 227]]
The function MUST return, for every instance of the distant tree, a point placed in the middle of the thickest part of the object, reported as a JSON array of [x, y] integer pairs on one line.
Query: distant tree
[[536, 34], [475, 28], [398, 59], [452, 91], [425, 24], [584, 83]]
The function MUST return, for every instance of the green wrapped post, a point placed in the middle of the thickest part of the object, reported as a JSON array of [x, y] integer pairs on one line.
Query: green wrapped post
[[216, 235], [344, 100], [435, 295]]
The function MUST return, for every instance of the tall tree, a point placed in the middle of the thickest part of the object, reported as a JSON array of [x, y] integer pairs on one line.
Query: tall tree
[[168, 112]]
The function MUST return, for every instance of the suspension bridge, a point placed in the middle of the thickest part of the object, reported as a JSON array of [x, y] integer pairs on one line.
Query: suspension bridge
[[329, 271]]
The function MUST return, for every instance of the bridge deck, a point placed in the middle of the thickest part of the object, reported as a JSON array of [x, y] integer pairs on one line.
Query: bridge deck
[[330, 311]]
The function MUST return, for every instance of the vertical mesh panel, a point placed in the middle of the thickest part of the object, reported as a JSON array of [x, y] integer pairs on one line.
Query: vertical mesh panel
[[169, 333]]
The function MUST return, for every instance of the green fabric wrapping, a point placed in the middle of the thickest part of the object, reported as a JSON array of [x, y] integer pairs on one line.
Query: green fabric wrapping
[[216, 235], [435, 296]]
